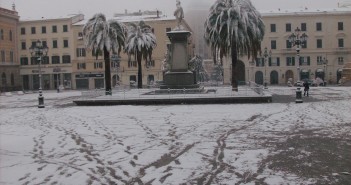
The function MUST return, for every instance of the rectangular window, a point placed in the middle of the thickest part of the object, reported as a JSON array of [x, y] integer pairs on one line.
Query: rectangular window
[[304, 44], [2, 34], [290, 61], [96, 53], [81, 52], [54, 44], [319, 43], [23, 46], [318, 26], [24, 61], [303, 27], [288, 44], [319, 60], [65, 28], [43, 29], [3, 56], [11, 56], [98, 65], [341, 43], [55, 59], [54, 29], [66, 59], [340, 26], [10, 34], [273, 44], [34, 60], [273, 28], [305, 61], [168, 29], [288, 27], [32, 30], [81, 66], [65, 43], [274, 61], [44, 43], [340, 60], [23, 31], [45, 60]]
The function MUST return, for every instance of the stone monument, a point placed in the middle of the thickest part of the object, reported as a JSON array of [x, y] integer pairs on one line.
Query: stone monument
[[178, 76]]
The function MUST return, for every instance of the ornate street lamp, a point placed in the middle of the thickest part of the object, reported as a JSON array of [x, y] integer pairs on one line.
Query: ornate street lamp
[[297, 39], [325, 64], [266, 55], [39, 50]]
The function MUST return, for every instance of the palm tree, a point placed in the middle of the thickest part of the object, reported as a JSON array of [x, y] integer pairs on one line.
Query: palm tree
[[233, 28], [140, 43], [107, 36]]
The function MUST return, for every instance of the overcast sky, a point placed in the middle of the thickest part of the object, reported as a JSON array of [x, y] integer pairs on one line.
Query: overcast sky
[[35, 9]]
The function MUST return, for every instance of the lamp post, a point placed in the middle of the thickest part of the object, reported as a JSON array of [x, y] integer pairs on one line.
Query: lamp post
[[266, 54], [297, 39], [39, 50], [325, 64]]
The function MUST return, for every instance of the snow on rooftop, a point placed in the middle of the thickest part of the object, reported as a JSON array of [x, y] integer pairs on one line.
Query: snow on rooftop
[[305, 10]]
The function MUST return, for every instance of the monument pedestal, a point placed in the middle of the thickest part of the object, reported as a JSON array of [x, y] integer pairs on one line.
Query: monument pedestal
[[179, 80], [179, 77]]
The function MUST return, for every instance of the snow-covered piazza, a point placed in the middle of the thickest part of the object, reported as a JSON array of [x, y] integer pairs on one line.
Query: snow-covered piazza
[[273, 143]]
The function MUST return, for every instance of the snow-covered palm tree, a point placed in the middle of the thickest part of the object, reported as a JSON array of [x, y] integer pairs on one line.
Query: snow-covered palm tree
[[140, 43], [107, 36], [233, 28]]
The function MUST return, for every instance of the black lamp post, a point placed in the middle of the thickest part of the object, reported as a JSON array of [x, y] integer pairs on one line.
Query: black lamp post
[[325, 64], [39, 50], [266, 55], [297, 39]]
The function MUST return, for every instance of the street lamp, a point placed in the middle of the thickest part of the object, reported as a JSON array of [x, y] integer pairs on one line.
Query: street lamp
[[266, 54], [39, 50], [297, 39], [325, 64]]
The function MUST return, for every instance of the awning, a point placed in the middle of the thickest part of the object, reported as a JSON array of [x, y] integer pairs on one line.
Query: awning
[[304, 71], [339, 70]]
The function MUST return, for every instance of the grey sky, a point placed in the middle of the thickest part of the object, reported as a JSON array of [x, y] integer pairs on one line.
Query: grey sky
[[35, 9]]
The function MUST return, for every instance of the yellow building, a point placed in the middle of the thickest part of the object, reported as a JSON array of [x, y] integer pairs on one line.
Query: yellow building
[[56, 67], [327, 50], [88, 72], [9, 65]]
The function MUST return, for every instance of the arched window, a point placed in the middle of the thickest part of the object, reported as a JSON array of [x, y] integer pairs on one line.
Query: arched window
[[3, 79], [12, 79]]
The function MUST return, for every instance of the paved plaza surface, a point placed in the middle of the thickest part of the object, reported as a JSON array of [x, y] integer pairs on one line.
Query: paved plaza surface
[[272, 143]]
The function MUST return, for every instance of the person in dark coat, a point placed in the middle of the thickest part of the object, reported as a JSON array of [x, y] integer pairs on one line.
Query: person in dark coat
[[306, 89]]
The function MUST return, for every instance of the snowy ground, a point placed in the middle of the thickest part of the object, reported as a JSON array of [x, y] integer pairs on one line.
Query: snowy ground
[[277, 143]]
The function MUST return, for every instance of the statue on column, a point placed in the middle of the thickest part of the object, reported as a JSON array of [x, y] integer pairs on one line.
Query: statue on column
[[179, 14]]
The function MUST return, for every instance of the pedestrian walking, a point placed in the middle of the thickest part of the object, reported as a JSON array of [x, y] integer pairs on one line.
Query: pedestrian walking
[[306, 89]]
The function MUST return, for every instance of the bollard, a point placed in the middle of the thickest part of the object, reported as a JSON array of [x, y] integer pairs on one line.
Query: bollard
[[299, 95]]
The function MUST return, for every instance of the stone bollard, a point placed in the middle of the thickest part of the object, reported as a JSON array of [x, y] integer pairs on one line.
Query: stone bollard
[[299, 95]]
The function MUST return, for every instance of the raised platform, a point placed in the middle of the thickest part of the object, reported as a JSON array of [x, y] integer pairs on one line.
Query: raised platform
[[162, 97]]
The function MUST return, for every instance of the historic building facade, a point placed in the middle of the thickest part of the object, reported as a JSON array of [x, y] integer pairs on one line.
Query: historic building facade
[[327, 50], [9, 64], [56, 67]]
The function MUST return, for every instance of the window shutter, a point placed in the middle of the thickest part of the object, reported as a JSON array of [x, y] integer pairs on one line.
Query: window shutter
[[77, 52], [308, 60], [278, 61], [83, 52]]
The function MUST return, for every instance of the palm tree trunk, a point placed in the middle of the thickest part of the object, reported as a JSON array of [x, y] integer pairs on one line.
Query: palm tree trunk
[[107, 72], [140, 75], [234, 53]]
